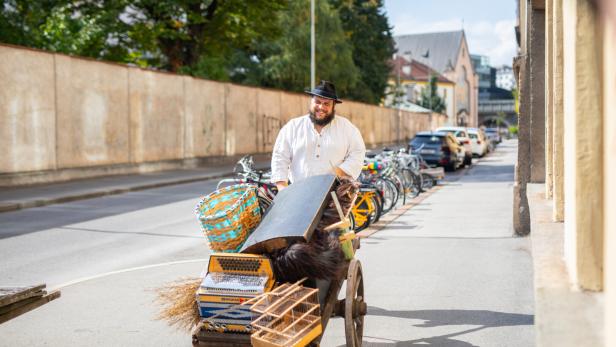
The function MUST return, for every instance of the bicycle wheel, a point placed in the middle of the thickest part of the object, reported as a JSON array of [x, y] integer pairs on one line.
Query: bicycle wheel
[[412, 185], [352, 221], [364, 211], [399, 182], [378, 200], [389, 192], [427, 181]]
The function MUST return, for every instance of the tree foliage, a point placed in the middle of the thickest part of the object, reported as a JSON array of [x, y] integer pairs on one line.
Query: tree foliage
[[79, 28], [368, 30], [257, 42], [285, 63], [430, 99]]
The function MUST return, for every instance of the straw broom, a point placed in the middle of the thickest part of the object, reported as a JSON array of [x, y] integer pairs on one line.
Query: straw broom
[[179, 304]]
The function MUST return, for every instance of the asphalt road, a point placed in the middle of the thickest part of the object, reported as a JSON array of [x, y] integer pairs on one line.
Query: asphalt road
[[446, 273]]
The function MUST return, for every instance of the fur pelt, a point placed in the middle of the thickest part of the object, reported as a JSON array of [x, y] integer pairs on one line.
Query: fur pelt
[[320, 258], [346, 191]]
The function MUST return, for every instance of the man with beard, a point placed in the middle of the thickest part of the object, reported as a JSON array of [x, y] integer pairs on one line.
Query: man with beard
[[318, 143]]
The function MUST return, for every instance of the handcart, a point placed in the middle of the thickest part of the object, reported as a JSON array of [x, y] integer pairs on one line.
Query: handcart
[[352, 306]]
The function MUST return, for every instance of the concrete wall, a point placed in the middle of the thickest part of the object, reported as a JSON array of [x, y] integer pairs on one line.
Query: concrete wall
[[609, 174], [63, 117], [92, 113], [204, 118], [557, 112], [537, 95], [27, 111], [583, 146], [580, 89]]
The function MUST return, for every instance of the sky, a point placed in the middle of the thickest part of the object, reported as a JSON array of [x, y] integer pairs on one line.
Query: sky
[[488, 24]]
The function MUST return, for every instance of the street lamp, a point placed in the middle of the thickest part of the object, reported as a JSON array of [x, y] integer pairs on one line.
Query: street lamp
[[312, 44]]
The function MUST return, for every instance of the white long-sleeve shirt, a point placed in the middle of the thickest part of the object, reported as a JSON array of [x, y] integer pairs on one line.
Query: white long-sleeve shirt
[[300, 151]]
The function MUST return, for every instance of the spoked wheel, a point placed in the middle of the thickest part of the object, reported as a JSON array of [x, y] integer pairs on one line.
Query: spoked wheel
[[427, 181], [354, 306]]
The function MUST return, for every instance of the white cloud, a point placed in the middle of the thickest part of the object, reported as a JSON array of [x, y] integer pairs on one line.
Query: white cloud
[[494, 39]]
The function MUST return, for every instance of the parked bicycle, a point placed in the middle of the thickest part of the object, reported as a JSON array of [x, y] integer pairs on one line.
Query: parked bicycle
[[245, 172]]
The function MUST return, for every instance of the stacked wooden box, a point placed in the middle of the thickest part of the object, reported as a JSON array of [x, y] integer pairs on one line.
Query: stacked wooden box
[[15, 301]]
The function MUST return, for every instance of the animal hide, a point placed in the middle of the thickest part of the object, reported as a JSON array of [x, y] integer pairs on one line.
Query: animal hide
[[346, 191], [320, 258]]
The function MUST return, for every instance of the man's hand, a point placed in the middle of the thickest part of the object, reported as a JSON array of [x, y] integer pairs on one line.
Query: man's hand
[[281, 185], [340, 173]]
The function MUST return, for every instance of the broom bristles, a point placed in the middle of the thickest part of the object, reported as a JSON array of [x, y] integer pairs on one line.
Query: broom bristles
[[179, 303]]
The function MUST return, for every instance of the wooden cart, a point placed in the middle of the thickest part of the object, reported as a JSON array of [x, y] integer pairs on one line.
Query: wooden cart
[[352, 308]]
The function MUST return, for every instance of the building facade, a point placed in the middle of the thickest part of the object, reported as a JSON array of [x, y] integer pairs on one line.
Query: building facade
[[505, 78], [565, 188], [448, 54], [412, 77], [496, 107]]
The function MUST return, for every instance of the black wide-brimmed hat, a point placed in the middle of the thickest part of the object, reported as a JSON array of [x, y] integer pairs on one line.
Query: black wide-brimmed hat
[[325, 90]]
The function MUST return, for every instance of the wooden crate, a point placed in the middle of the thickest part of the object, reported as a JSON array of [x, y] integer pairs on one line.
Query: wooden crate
[[289, 317]]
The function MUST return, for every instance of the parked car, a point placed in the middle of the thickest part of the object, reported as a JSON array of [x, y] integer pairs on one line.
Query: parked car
[[479, 144], [494, 135], [438, 149], [461, 134]]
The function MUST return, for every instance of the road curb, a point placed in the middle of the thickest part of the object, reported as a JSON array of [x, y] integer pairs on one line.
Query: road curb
[[14, 206]]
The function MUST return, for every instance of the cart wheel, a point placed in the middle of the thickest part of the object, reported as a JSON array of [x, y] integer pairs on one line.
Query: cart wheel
[[354, 306]]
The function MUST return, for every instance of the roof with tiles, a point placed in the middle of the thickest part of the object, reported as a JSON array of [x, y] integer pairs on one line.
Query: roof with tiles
[[418, 71], [438, 50]]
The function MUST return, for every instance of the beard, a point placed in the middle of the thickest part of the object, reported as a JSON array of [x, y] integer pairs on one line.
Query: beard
[[324, 121]]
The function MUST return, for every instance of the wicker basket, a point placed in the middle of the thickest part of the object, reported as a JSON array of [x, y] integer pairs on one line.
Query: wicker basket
[[228, 216]]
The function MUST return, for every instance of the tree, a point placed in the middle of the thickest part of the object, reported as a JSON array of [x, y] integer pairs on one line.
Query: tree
[[430, 99], [192, 35], [79, 28], [285, 62], [367, 28], [189, 36]]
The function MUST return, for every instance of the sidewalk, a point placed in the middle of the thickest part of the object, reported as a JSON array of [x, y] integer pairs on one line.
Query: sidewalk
[[12, 199], [448, 271], [445, 272]]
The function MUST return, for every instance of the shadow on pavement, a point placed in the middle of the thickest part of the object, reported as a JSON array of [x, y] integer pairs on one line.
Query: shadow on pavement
[[436, 318], [491, 173]]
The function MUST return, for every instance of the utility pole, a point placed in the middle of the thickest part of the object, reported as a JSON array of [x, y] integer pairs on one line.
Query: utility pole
[[397, 96], [312, 44]]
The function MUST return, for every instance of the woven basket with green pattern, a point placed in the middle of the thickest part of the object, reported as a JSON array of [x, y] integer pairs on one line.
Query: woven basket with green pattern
[[228, 216]]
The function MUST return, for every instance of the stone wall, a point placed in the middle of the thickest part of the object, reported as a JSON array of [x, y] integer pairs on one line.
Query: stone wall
[[571, 146], [64, 117]]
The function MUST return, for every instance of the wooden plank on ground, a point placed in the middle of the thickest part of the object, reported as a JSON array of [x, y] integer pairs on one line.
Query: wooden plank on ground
[[9, 295], [29, 307]]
